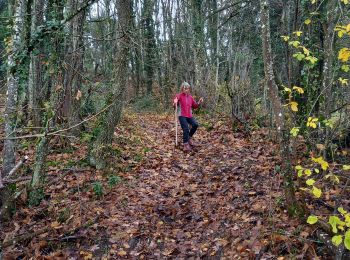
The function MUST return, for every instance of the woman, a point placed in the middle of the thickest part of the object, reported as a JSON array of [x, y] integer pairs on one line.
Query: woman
[[185, 104]]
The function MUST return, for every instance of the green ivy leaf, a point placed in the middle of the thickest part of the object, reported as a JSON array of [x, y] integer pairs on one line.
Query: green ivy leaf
[[333, 221], [342, 210], [312, 219], [298, 167], [300, 173], [345, 68], [347, 240], [299, 56], [336, 240]]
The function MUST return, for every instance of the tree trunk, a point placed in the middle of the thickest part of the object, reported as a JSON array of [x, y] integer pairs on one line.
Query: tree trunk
[[74, 67], [111, 118], [10, 116], [282, 135], [150, 44], [37, 90], [331, 9]]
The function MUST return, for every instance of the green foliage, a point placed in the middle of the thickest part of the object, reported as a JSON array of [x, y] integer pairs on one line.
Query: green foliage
[[146, 104], [312, 220], [97, 188], [207, 125], [36, 196], [138, 157], [113, 180], [86, 137], [52, 163]]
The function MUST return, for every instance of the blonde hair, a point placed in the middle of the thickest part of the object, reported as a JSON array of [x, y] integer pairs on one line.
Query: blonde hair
[[184, 85]]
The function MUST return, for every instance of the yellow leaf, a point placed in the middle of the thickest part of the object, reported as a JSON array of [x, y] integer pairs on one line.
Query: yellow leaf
[[298, 33], [341, 210], [294, 106], [307, 21], [294, 43], [340, 33], [294, 131], [320, 161], [287, 89], [307, 172], [346, 167], [345, 1], [313, 1], [310, 182], [344, 54], [344, 82], [316, 192], [348, 28], [306, 51], [312, 59], [285, 38], [298, 89], [311, 122]]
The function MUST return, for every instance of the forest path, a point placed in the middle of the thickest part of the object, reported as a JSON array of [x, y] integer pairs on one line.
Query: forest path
[[212, 203]]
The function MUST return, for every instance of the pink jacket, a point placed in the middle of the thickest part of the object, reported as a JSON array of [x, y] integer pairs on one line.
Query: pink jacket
[[185, 105]]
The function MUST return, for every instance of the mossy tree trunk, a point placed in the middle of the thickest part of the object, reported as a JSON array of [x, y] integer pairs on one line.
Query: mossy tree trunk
[[10, 116], [100, 148]]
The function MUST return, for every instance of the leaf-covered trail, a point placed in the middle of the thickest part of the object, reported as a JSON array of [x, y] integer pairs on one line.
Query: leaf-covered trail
[[210, 203], [216, 203]]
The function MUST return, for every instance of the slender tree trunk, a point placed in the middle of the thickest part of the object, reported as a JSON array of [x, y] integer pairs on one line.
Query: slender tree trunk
[[52, 114], [282, 134], [150, 44], [36, 86], [10, 116], [74, 67], [332, 14], [111, 118]]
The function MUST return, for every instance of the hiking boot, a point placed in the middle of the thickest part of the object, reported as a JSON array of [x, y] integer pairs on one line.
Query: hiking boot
[[187, 147], [193, 144]]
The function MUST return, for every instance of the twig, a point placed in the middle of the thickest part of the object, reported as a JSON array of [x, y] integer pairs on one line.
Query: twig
[[62, 130], [26, 178]]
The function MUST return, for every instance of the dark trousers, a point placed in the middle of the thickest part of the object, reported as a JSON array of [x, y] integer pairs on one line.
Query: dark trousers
[[187, 132]]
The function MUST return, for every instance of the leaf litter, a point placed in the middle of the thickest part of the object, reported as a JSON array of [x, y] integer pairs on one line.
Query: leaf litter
[[222, 201]]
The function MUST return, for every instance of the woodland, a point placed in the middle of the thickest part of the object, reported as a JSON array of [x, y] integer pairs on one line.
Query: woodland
[[90, 167]]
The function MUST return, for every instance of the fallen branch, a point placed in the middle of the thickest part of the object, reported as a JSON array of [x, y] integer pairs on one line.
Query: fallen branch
[[26, 178], [14, 170], [24, 237], [17, 166], [27, 236]]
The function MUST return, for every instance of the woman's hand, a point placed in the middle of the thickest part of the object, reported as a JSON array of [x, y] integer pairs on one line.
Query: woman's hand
[[175, 101], [200, 101]]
